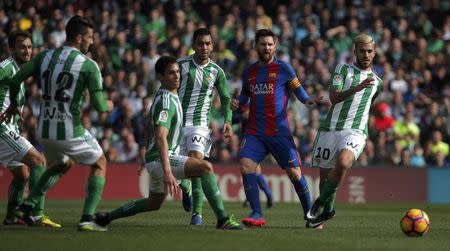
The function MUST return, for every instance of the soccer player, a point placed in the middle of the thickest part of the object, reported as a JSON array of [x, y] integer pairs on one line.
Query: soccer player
[[266, 87], [199, 76], [165, 166], [64, 74], [342, 135], [16, 152]]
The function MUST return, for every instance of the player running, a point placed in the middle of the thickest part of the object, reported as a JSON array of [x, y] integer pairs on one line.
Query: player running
[[266, 87], [64, 74], [342, 135], [162, 161], [16, 152]]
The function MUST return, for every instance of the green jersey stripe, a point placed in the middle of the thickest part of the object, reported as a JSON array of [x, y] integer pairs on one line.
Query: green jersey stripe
[[201, 98], [187, 89], [347, 103], [60, 125]]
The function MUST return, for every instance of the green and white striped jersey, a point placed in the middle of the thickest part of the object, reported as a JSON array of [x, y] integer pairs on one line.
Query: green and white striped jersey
[[354, 111], [9, 68], [165, 111], [196, 91], [63, 74]]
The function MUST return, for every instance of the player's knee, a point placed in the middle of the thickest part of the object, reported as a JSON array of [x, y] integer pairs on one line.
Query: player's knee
[[294, 174], [247, 167], [100, 164], [344, 161], [207, 167], [36, 159]]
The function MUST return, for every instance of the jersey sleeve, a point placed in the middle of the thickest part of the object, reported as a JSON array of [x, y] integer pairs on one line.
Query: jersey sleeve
[[224, 94], [163, 115], [338, 77], [95, 86], [27, 70]]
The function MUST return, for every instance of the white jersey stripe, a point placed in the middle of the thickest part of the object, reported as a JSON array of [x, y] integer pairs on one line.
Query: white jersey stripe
[[194, 98], [355, 104], [338, 107]]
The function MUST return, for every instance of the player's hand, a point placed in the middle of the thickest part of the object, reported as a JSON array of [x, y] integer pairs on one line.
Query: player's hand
[[322, 101], [234, 104], [170, 184], [368, 82], [227, 131], [311, 103], [110, 105], [140, 169], [10, 113]]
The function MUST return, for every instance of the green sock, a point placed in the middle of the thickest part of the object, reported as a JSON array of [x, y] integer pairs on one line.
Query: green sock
[[47, 180], [130, 208], [329, 204], [328, 195], [197, 195], [15, 197], [94, 190], [184, 185], [212, 193], [35, 174]]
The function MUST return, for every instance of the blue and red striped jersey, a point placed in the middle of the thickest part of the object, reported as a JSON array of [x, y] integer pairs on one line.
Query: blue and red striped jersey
[[266, 90]]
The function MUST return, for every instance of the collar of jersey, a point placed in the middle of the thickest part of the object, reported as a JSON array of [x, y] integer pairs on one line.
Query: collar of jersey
[[199, 65]]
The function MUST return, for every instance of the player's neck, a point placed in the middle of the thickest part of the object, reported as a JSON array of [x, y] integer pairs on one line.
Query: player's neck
[[70, 44], [18, 61], [200, 61], [368, 68], [264, 63], [174, 90]]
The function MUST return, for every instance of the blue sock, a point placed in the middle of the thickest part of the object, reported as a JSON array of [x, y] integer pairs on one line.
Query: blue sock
[[301, 188], [263, 185], [252, 192]]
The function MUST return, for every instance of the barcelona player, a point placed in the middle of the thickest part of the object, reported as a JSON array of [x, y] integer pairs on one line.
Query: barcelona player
[[266, 87]]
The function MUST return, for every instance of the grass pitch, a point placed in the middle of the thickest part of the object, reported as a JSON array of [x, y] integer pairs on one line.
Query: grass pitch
[[355, 227]]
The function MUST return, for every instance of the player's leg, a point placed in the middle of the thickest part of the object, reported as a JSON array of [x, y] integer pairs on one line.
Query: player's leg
[[263, 185], [156, 197], [197, 144], [350, 145], [201, 168], [15, 192], [252, 153], [36, 162], [185, 184], [197, 193], [285, 153]]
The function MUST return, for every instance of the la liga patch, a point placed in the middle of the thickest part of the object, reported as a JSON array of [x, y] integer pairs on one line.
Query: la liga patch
[[163, 115], [337, 80]]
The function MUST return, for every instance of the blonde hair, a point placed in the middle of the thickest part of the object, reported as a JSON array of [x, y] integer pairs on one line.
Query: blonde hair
[[363, 38]]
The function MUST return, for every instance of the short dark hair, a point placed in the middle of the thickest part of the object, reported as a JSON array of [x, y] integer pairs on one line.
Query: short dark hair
[[264, 33], [12, 39], [200, 32], [163, 62], [77, 25]]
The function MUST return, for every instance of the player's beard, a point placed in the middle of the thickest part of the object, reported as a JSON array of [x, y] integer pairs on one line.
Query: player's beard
[[266, 57]]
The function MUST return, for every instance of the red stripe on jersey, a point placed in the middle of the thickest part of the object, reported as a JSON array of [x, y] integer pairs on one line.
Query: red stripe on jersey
[[269, 100], [251, 81]]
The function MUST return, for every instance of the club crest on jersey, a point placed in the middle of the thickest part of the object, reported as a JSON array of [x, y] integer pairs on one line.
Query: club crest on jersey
[[163, 115], [272, 76], [337, 80]]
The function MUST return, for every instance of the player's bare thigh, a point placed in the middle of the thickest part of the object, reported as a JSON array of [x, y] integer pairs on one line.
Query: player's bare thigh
[[196, 167]]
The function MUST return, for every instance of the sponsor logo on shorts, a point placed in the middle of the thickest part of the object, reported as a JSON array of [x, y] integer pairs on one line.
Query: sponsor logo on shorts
[[351, 144]]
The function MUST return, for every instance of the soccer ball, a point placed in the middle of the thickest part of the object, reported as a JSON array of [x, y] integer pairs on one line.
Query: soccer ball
[[415, 223]]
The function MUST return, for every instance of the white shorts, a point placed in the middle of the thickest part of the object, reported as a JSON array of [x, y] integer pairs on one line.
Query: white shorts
[[196, 138], [83, 150], [13, 148], [328, 144], [156, 172]]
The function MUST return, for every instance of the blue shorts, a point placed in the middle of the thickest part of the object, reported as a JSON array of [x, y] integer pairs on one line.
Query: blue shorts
[[282, 148]]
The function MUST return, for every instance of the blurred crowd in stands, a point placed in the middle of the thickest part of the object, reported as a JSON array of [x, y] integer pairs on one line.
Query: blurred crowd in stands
[[410, 122]]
